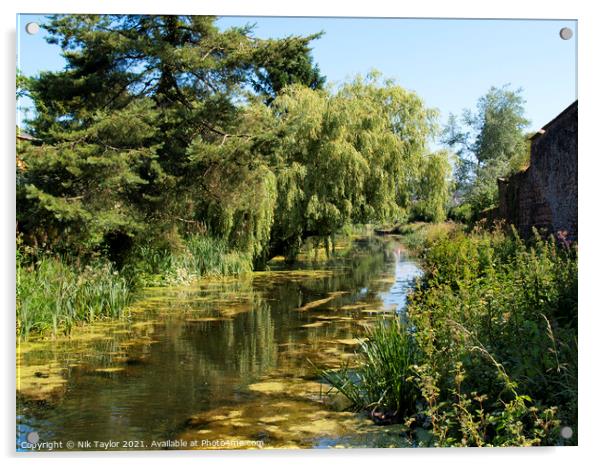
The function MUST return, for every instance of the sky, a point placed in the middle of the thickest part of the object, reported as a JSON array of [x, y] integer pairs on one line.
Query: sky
[[450, 63]]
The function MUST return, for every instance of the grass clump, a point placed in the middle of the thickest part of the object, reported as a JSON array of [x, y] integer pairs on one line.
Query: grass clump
[[197, 256], [54, 294], [384, 384], [493, 325]]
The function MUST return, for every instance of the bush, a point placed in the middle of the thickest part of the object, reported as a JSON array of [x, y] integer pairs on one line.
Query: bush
[[495, 326], [462, 213]]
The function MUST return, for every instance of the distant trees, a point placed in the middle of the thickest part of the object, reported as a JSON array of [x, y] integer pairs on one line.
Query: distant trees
[[489, 143]]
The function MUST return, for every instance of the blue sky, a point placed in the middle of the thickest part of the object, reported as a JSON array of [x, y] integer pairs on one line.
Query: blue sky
[[449, 63]]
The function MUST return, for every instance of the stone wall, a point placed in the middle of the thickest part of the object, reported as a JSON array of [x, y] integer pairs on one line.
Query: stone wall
[[544, 196]]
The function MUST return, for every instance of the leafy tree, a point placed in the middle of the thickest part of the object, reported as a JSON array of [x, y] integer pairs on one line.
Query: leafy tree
[[433, 188], [499, 125], [490, 144], [321, 160], [349, 157], [456, 138]]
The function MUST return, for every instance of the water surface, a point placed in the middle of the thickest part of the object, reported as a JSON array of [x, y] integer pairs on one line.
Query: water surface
[[222, 364]]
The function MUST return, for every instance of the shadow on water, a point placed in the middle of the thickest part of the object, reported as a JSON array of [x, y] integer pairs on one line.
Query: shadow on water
[[224, 361]]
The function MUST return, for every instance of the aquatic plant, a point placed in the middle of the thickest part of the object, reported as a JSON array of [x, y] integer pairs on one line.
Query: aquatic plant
[[198, 256], [383, 382], [54, 294]]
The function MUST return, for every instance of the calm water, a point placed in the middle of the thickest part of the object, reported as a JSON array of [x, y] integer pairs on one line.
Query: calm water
[[224, 364]]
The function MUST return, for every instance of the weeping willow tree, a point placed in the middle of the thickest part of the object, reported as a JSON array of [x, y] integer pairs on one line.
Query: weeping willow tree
[[354, 156], [433, 190], [315, 161]]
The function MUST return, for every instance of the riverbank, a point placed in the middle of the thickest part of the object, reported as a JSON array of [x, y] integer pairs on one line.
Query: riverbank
[[487, 353], [55, 293]]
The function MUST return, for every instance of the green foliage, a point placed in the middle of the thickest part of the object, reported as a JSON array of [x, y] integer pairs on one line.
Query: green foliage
[[21, 84], [152, 151], [495, 326], [53, 294], [433, 190], [490, 144], [151, 129], [461, 418], [71, 194], [350, 157], [133, 129], [384, 381], [462, 213], [199, 256], [240, 195], [489, 297], [281, 63], [499, 124]]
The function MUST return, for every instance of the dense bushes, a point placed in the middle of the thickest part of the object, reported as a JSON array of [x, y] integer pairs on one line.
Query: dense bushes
[[495, 324]]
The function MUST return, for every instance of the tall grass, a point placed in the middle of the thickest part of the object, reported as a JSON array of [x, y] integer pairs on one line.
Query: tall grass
[[55, 295], [384, 381], [211, 256], [199, 256]]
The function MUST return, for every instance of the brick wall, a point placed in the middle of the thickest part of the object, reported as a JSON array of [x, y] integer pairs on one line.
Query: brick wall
[[544, 196]]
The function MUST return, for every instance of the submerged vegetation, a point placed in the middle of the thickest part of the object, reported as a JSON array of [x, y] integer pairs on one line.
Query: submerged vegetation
[[488, 355]]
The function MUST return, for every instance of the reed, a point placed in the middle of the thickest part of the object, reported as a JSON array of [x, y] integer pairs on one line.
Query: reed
[[53, 294], [195, 257], [383, 382]]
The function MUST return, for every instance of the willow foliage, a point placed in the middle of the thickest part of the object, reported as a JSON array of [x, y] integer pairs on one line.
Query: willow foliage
[[353, 156], [433, 190]]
